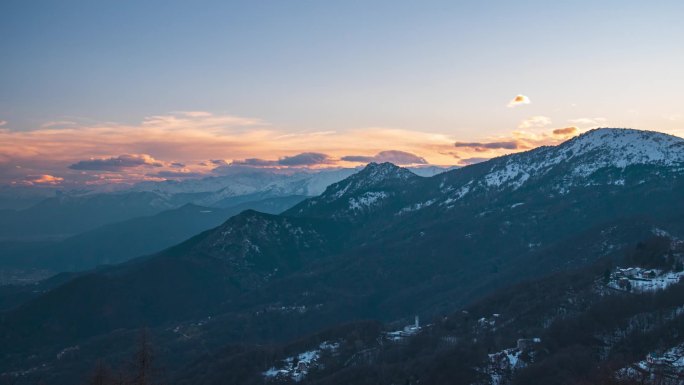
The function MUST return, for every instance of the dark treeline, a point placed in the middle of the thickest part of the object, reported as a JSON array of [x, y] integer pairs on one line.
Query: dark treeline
[[141, 370]]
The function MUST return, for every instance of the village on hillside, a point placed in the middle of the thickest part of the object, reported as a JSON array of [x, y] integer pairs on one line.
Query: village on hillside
[[641, 280]]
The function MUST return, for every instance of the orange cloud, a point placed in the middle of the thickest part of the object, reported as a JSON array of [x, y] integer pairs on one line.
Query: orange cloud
[[88, 153], [117, 163], [44, 179], [515, 142], [489, 146], [567, 131], [519, 100]]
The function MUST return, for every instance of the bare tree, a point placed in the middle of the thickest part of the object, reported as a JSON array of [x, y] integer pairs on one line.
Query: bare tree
[[101, 375], [142, 371]]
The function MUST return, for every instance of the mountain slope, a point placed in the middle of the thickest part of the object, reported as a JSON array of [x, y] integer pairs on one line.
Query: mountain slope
[[192, 279], [121, 241], [375, 187], [66, 215]]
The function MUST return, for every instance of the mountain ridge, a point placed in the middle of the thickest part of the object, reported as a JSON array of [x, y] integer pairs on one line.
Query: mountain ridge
[[383, 264]]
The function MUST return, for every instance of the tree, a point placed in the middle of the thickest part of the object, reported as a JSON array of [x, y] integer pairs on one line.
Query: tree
[[651, 253], [142, 370], [101, 375], [606, 276]]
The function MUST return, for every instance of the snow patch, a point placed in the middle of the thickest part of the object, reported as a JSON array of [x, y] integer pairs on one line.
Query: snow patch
[[366, 200]]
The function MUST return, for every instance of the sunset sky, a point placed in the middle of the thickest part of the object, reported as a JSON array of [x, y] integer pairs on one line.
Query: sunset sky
[[98, 92]]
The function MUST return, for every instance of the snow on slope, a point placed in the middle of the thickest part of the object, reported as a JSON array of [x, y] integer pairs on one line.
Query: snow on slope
[[592, 151], [373, 175], [249, 181], [584, 155], [366, 200]]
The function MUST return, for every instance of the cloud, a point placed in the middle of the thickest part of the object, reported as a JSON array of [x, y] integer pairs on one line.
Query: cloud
[[117, 163], [219, 162], [305, 159], [593, 122], [299, 160], [3, 122], [535, 122], [188, 140], [567, 131], [58, 123], [518, 100], [44, 179], [177, 174], [474, 152], [393, 156], [255, 162], [487, 146], [191, 138]]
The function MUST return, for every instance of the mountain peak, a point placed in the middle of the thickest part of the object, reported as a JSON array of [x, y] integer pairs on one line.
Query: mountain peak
[[599, 156], [369, 188], [372, 176], [621, 147], [619, 136], [386, 170]]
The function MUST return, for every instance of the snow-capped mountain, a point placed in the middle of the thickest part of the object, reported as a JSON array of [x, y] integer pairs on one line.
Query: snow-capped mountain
[[246, 181], [606, 156], [373, 176], [361, 193], [600, 157]]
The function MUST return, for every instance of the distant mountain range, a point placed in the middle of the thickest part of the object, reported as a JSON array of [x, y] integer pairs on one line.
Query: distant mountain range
[[81, 230], [381, 244], [121, 241], [70, 213]]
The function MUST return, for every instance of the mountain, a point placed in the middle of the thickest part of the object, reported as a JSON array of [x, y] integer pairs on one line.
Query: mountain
[[22, 197], [237, 182], [121, 241], [72, 212], [428, 171], [65, 215], [359, 195], [383, 244]]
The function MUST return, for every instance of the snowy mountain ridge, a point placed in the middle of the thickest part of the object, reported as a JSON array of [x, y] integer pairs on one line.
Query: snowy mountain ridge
[[360, 193], [606, 157], [613, 147], [575, 161], [372, 176]]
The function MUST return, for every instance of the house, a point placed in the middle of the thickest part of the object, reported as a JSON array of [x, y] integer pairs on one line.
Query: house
[[649, 274], [623, 283]]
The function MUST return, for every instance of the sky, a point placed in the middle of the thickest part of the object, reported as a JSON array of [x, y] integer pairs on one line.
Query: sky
[[97, 92]]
